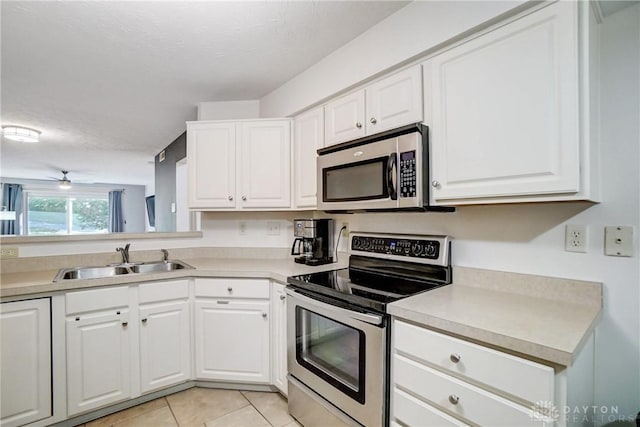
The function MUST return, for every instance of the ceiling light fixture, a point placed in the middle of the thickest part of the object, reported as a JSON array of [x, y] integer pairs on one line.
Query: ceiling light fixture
[[21, 134]]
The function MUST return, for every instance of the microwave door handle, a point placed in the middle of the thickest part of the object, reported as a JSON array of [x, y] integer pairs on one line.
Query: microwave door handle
[[372, 319], [392, 176]]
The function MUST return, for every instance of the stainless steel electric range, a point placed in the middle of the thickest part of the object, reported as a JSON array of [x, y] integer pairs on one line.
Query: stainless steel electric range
[[338, 332]]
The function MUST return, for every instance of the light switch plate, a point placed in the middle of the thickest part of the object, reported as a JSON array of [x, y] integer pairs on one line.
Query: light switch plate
[[618, 241]]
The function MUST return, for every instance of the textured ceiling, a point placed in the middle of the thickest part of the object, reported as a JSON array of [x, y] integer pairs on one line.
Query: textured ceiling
[[111, 83]]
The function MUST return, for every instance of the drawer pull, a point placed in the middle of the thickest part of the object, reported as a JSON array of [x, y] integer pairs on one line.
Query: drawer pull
[[282, 297], [144, 320], [453, 399], [230, 289], [455, 357], [125, 324]]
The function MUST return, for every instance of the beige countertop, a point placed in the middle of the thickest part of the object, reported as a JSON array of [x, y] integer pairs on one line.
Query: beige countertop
[[543, 318], [539, 317], [39, 282]]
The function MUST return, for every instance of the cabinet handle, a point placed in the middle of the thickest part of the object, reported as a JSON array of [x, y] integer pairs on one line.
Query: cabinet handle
[[359, 125], [125, 324], [144, 320], [230, 198], [244, 198], [282, 297], [435, 184], [453, 399], [373, 120], [264, 315], [455, 357], [77, 319], [230, 289]]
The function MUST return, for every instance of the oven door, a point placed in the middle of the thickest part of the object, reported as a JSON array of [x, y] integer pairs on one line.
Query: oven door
[[361, 177], [340, 354]]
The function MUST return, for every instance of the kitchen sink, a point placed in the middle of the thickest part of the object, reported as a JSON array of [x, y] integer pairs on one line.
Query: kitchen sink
[[157, 267], [119, 269]]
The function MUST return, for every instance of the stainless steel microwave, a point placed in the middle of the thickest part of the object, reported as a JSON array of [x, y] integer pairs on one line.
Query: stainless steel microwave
[[387, 171]]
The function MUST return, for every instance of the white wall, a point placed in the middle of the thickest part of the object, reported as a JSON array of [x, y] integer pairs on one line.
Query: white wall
[[525, 238], [413, 30], [229, 110]]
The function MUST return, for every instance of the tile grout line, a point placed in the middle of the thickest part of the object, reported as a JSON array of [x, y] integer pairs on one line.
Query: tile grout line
[[257, 410]]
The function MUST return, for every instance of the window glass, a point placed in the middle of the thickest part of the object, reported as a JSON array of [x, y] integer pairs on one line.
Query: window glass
[[90, 215], [47, 215]]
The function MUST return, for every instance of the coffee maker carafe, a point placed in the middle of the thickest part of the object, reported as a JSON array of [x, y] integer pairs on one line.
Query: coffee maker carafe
[[313, 241]]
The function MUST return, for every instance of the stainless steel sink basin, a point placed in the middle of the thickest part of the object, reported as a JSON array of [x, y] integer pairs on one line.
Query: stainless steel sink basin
[[117, 270], [90, 272], [157, 267]]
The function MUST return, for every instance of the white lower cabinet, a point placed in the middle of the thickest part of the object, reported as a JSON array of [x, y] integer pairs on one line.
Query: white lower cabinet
[[232, 333], [126, 340], [98, 349], [441, 380], [279, 337], [165, 339], [25, 371]]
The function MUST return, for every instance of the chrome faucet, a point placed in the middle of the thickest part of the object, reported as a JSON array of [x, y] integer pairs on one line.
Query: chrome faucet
[[165, 255], [125, 253]]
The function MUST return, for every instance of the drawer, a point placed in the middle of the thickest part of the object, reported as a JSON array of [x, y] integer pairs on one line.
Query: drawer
[[519, 377], [163, 291], [410, 411], [472, 403], [229, 288], [97, 299]]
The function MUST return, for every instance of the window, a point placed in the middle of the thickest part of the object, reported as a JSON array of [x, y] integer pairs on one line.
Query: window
[[55, 214]]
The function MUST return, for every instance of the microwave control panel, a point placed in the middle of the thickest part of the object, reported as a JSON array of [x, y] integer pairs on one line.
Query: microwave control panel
[[408, 177]]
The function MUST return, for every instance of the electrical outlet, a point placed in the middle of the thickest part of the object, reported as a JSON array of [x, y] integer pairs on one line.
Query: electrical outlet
[[345, 229], [242, 228], [618, 241], [273, 228], [575, 238], [9, 253]]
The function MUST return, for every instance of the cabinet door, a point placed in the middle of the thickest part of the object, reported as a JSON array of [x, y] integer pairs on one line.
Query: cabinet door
[[279, 334], [25, 366], [232, 340], [309, 137], [211, 164], [98, 360], [505, 111], [264, 164], [344, 119], [165, 356], [394, 101]]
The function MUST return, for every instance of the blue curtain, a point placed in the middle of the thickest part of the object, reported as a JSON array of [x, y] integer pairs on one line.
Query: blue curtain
[[116, 220], [11, 201]]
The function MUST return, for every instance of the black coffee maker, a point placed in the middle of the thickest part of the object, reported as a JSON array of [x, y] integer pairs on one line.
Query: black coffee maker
[[313, 241]]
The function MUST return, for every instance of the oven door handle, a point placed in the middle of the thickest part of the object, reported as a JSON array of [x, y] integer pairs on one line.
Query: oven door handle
[[372, 319]]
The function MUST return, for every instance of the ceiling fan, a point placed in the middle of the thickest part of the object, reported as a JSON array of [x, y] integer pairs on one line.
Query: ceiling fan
[[64, 182]]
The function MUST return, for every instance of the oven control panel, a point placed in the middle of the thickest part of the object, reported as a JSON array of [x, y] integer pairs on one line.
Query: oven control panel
[[430, 249]]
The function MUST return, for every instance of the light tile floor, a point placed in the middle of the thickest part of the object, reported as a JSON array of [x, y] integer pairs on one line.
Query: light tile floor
[[205, 407]]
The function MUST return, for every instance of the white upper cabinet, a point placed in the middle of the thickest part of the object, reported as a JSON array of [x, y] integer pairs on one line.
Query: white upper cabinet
[[264, 164], [211, 164], [391, 102], [344, 119], [309, 137], [504, 111], [239, 165], [394, 101]]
